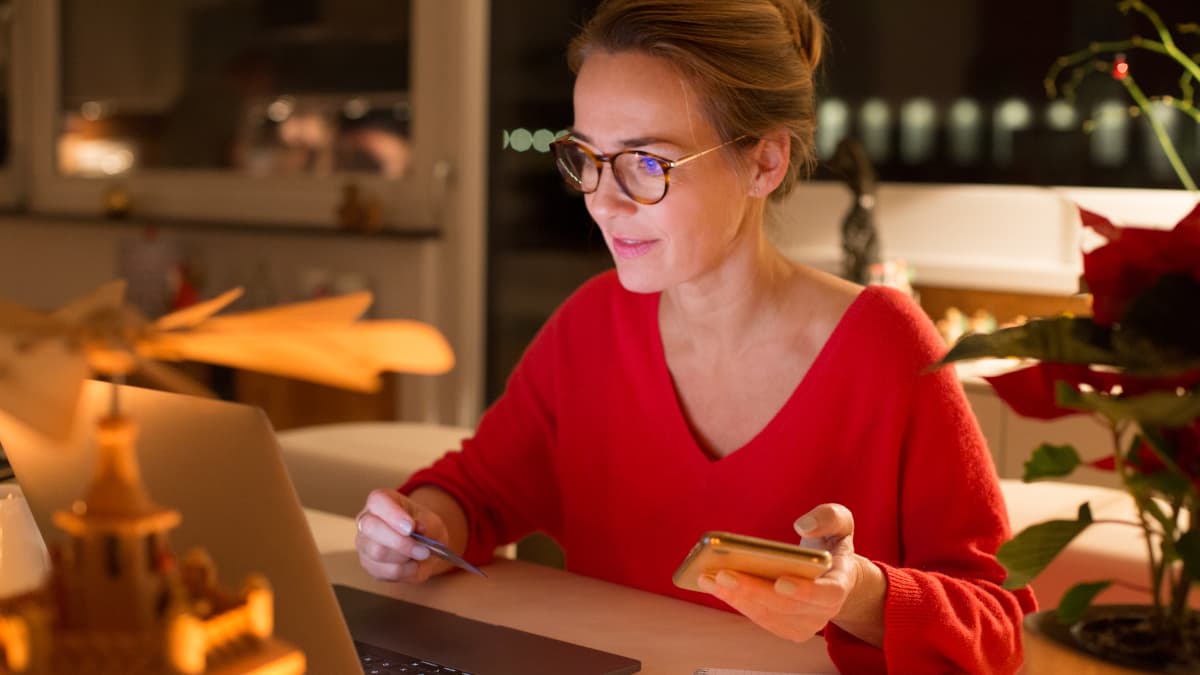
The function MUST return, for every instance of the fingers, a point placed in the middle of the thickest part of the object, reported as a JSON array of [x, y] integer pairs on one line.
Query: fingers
[[825, 526], [384, 525], [826, 520], [796, 616], [385, 550], [405, 549], [786, 595], [389, 507]]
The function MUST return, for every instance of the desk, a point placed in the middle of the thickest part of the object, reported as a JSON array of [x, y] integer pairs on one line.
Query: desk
[[669, 636]]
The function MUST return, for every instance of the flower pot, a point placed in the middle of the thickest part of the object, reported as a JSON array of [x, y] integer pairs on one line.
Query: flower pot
[[1051, 647]]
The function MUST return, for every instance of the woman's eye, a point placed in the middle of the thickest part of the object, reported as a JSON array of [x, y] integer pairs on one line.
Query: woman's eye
[[650, 166]]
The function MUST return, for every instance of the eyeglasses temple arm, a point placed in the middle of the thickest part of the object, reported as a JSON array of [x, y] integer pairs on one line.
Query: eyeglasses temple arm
[[698, 155]]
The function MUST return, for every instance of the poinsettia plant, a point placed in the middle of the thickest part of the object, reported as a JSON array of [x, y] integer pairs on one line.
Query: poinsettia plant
[[1135, 365]]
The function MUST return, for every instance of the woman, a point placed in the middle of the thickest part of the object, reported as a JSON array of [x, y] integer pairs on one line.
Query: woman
[[710, 383]]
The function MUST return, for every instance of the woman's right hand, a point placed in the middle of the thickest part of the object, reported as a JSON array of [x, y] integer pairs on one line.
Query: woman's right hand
[[385, 550]]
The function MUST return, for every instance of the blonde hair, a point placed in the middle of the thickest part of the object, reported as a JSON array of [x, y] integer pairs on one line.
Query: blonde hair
[[753, 61]]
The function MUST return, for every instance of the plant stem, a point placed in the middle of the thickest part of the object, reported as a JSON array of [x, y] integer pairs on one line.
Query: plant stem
[[1181, 585], [1180, 105], [1145, 527], [1160, 133], [1168, 42], [1123, 471], [1170, 553], [1166, 46], [1089, 52]]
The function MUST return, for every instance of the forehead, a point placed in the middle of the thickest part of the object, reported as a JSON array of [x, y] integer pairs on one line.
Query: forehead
[[632, 95]]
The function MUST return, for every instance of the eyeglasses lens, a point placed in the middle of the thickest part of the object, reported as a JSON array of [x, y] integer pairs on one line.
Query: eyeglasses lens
[[640, 176], [578, 168]]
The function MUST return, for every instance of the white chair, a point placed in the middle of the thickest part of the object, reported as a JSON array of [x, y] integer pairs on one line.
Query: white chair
[[334, 466]]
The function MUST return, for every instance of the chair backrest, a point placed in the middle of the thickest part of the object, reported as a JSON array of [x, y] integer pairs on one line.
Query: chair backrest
[[334, 466]]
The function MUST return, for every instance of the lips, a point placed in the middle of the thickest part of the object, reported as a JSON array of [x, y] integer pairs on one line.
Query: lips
[[632, 248]]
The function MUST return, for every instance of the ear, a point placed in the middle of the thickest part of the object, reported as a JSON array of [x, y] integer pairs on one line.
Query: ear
[[769, 161]]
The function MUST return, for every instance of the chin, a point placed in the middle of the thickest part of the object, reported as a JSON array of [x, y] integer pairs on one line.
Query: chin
[[637, 281]]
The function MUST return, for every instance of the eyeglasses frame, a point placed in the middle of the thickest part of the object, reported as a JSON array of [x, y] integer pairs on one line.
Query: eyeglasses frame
[[599, 160]]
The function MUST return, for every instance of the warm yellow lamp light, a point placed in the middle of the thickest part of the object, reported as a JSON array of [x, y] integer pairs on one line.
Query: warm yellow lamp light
[[117, 601]]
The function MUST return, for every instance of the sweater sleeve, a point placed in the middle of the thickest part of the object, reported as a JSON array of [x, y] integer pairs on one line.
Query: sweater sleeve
[[503, 477], [945, 609]]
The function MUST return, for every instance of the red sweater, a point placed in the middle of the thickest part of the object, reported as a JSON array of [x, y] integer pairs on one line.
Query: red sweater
[[588, 444]]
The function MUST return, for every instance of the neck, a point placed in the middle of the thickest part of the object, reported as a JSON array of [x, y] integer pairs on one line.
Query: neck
[[728, 307]]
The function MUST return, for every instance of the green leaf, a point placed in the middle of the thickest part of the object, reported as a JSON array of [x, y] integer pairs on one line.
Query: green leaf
[[1135, 347], [1188, 548], [1061, 339], [1159, 408], [1051, 461], [1077, 599], [1028, 553]]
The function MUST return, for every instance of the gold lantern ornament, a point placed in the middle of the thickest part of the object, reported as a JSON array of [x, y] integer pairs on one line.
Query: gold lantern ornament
[[117, 600]]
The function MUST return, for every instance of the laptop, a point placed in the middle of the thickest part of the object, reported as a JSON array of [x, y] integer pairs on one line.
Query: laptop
[[219, 465]]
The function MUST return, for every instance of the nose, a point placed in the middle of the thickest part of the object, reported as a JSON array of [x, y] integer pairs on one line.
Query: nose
[[609, 199]]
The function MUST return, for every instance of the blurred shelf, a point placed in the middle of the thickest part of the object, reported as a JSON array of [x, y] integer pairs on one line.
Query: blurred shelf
[[289, 229]]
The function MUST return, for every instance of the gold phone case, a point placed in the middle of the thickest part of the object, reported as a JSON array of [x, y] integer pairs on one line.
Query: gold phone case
[[760, 557]]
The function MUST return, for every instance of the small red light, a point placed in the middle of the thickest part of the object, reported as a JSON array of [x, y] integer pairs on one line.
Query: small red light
[[1120, 67]]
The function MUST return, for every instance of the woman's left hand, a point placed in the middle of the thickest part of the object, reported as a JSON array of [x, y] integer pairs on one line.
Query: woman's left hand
[[850, 594]]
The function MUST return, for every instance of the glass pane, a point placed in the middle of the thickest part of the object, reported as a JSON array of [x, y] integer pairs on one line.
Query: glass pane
[[953, 91], [6, 17], [257, 87]]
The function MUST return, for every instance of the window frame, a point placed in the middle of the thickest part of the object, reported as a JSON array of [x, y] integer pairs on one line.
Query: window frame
[[412, 203]]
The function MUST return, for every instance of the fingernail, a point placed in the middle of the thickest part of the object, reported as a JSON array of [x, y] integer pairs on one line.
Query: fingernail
[[785, 586], [806, 524], [406, 527], [419, 553], [726, 579], [706, 583]]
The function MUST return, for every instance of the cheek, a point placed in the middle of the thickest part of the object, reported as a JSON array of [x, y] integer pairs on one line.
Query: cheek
[[717, 196], [711, 221]]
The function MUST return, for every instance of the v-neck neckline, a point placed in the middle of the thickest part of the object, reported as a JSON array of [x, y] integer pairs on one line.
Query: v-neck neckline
[[679, 420]]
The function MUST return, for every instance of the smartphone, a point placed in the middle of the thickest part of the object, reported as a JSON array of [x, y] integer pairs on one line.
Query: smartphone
[[760, 557]]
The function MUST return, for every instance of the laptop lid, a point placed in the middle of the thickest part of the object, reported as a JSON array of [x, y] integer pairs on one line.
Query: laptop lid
[[218, 464]]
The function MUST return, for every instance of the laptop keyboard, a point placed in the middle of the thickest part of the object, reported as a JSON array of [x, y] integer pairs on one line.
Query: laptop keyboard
[[380, 661]]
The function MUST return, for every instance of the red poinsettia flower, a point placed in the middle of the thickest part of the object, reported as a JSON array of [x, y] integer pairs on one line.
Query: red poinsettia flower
[[1030, 391], [1134, 259]]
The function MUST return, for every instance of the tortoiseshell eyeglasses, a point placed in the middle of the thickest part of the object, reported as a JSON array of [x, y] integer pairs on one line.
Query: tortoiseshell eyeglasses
[[643, 176]]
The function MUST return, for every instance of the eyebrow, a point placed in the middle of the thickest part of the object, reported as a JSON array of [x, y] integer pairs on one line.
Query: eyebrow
[[627, 143]]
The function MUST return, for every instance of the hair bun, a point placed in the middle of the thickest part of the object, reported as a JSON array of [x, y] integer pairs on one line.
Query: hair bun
[[802, 22]]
